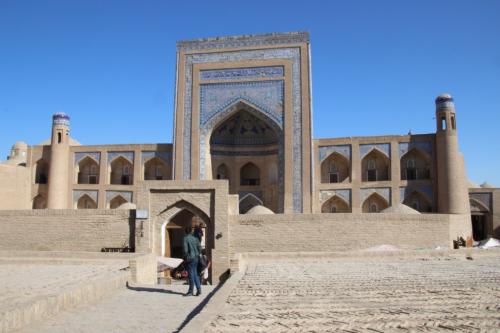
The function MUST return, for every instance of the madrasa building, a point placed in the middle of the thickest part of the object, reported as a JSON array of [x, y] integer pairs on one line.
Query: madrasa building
[[243, 146]]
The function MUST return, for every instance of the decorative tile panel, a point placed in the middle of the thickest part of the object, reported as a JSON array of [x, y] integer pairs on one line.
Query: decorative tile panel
[[128, 155], [166, 156], [244, 153], [384, 192], [484, 198], [292, 53], [110, 195], [384, 148], [242, 73], [77, 194], [96, 156], [325, 151], [265, 95], [243, 194], [427, 190], [405, 147], [344, 194]]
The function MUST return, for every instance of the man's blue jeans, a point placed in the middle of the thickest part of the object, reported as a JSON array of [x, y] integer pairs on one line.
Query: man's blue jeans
[[194, 278]]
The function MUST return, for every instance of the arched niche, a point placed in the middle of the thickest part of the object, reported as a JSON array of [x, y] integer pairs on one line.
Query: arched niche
[[117, 201], [86, 202], [41, 172], [243, 134], [375, 166], [375, 203], [249, 175], [335, 205], [156, 169], [87, 171], [39, 202], [418, 201], [121, 171], [221, 172], [415, 165], [335, 169]]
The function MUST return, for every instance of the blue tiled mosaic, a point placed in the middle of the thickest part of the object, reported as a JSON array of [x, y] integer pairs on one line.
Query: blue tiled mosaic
[[77, 194], [166, 156], [426, 190], [110, 195], [325, 151], [128, 155], [96, 156], [240, 73], [344, 194], [384, 192], [425, 146], [384, 148]]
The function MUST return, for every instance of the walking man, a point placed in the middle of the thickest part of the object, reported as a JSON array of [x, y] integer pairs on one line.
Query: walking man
[[192, 250]]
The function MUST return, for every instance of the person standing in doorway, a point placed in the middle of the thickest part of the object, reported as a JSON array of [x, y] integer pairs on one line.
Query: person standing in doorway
[[191, 252]]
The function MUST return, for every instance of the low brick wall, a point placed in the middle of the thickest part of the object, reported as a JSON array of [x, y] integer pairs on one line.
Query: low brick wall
[[65, 230], [337, 232]]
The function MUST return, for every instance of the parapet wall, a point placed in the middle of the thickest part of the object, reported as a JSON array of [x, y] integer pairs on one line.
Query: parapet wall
[[341, 232], [65, 230]]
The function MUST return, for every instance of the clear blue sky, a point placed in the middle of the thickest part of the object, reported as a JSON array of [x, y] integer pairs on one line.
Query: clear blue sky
[[377, 66]]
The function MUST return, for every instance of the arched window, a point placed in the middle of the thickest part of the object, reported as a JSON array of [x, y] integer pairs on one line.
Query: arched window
[[415, 165], [375, 203], [121, 171], [250, 175], [375, 166], [335, 205], [86, 202], [156, 169], [88, 171], [335, 169], [117, 202], [373, 208]]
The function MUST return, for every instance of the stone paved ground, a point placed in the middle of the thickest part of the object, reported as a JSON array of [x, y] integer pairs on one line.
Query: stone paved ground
[[22, 283], [140, 309], [378, 295]]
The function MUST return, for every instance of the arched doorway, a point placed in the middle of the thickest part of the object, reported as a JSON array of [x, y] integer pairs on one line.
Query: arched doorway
[[156, 169], [246, 143], [375, 203], [41, 172], [480, 219], [415, 165], [173, 222]]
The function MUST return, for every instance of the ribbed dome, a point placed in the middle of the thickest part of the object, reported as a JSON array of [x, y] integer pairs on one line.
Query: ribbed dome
[[20, 145], [259, 210], [400, 209]]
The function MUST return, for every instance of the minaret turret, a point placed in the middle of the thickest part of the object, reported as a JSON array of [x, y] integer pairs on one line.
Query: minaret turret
[[451, 179], [59, 163]]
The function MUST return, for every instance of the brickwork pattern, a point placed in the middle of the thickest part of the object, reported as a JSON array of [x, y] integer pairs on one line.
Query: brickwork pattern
[[64, 230], [339, 232], [391, 295]]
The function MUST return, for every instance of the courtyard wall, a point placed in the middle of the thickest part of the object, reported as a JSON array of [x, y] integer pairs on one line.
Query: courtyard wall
[[65, 230], [340, 232]]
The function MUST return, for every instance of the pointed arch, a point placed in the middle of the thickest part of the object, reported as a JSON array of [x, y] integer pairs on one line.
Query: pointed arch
[[375, 203], [418, 201], [87, 171], [222, 172], [249, 201], [375, 166], [478, 206], [249, 175], [415, 164], [335, 168], [336, 204], [117, 201], [121, 171], [155, 168], [86, 202]]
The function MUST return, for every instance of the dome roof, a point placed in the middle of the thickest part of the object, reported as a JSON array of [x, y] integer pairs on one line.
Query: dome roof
[[259, 210], [20, 145], [486, 185], [445, 95], [127, 205], [400, 209]]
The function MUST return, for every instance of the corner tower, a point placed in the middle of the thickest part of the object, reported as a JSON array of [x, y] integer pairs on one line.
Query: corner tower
[[452, 190], [58, 169]]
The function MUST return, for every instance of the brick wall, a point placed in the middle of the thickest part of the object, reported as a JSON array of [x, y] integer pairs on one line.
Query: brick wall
[[337, 232], [64, 230]]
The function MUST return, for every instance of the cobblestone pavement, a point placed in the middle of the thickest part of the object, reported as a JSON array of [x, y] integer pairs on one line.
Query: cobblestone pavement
[[24, 283], [385, 295], [140, 309]]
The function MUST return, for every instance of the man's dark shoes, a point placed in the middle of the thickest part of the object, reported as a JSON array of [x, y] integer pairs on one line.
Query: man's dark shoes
[[189, 293], [198, 293]]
